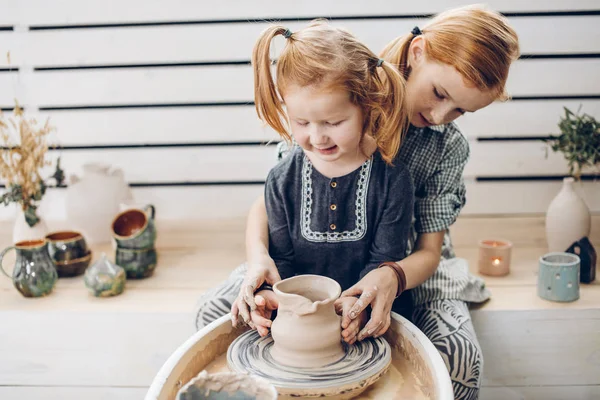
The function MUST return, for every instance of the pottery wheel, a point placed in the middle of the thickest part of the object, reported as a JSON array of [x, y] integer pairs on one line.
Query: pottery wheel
[[362, 364]]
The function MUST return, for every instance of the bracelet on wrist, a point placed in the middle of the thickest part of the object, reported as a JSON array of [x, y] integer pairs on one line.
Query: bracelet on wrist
[[399, 271]]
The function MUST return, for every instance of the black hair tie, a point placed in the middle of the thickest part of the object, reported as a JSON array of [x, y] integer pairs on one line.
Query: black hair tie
[[416, 31], [287, 34]]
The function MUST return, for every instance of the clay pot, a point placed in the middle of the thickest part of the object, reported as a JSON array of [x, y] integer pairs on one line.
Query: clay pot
[[307, 331]]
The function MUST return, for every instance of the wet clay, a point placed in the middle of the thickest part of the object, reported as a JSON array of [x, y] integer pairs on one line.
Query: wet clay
[[207, 385], [400, 382], [307, 331]]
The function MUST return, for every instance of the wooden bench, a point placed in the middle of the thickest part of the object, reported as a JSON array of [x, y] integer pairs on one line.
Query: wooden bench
[[71, 344]]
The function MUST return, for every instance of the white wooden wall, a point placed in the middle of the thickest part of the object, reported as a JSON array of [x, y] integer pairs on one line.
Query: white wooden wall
[[164, 90]]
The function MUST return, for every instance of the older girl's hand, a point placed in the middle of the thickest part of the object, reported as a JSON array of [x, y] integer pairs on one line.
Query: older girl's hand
[[343, 305], [378, 289]]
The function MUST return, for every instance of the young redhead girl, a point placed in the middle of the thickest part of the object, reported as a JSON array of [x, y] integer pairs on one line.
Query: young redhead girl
[[340, 205], [457, 63]]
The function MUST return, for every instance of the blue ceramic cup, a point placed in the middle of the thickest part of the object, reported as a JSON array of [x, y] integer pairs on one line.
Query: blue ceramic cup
[[558, 277]]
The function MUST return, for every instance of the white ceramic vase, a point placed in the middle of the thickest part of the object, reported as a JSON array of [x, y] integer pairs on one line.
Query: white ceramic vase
[[22, 230], [93, 200], [568, 218]]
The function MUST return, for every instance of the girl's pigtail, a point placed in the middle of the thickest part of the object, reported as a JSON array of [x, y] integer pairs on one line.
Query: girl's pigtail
[[268, 102], [396, 53], [394, 113]]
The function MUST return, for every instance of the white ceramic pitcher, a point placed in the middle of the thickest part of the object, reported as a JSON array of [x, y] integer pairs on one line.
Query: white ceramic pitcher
[[93, 200]]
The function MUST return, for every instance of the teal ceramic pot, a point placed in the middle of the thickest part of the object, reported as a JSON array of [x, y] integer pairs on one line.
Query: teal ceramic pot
[[135, 229], [65, 246], [558, 277], [33, 274], [137, 264]]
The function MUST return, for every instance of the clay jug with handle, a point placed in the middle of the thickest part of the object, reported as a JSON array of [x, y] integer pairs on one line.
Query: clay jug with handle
[[93, 200]]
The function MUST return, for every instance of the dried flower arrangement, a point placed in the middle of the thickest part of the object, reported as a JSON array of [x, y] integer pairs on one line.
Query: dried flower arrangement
[[22, 157]]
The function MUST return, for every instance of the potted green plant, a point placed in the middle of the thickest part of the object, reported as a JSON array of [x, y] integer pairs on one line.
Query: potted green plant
[[23, 154], [579, 141], [568, 218]]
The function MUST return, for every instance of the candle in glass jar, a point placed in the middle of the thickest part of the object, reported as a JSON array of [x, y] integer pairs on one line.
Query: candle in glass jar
[[494, 257]]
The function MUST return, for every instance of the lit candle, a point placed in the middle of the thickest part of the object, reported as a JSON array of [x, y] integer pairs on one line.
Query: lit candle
[[494, 257]]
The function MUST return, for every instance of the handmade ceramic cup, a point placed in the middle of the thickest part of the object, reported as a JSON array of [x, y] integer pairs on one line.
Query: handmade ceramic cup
[[558, 277], [227, 386], [66, 246], [307, 330], [137, 263], [33, 274], [135, 229]]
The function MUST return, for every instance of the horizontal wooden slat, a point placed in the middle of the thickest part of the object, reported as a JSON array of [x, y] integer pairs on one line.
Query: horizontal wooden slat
[[522, 118], [97, 11], [231, 42], [11, 49], [521, 197], [162, 85], [554, 77], [483, 198], [198, 164], [158, 125], [235, 83], [240, 124], [12, 88], [514, 158]]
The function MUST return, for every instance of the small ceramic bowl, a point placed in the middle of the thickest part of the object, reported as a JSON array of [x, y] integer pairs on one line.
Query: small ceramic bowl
[[137, 264], [65, 246], [73, 267]]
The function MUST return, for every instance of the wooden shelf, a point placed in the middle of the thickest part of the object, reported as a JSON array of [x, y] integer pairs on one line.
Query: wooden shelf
[[196, 255]]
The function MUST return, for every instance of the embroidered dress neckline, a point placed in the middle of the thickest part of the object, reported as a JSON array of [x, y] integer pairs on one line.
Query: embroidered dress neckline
[[307, 161], [360, 210]]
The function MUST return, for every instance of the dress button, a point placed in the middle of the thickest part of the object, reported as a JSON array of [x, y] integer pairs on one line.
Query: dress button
[[332, 226], [333, 207], [333, 184]]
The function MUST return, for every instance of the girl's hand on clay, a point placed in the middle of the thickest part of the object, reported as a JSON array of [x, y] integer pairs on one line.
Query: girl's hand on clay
[[378, 288], [257, 274], [343, 305], [266, 302]]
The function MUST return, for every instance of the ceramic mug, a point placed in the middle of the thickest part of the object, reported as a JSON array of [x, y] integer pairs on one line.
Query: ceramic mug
[[65, 246], [135, 229], [137, 263], [34, 274]]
